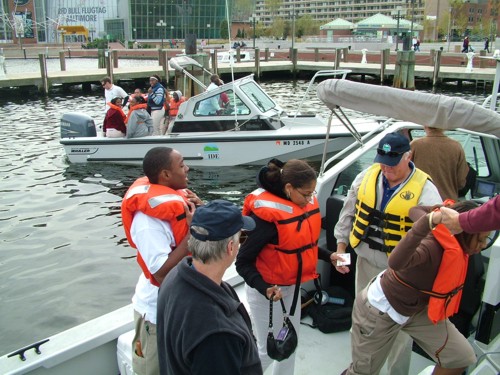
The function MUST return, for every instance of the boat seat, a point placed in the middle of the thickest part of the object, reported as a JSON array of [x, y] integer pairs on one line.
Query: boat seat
[[334, 205]]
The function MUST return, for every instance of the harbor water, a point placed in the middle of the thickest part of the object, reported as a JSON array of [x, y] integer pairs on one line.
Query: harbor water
[[64, 258]]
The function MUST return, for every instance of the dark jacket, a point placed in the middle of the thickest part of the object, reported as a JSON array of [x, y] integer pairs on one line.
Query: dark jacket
[[193, 310]]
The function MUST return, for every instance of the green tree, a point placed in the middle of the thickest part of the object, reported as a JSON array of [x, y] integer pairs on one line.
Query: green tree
[[224, 34]]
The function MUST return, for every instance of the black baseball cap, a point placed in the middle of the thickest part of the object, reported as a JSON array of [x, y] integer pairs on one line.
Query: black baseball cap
[[222, 219], [391, 149]]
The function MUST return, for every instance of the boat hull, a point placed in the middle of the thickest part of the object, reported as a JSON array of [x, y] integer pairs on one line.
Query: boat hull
[[206, 151]]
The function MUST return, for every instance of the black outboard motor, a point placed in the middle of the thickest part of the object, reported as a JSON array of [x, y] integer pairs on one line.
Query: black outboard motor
[[75, 124]]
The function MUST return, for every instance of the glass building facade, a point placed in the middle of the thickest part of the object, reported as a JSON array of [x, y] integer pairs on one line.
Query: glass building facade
[[174, 19]]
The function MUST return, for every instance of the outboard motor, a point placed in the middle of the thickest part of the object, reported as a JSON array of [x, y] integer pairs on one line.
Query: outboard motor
[[75, 124]]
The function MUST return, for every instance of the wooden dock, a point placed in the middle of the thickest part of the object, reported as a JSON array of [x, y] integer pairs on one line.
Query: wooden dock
[[261, 68]]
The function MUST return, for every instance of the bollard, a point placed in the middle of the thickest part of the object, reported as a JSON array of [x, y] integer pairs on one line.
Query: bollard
[[43, 73], [294, 56], [115, 58], [363, 59], [62, 61], [238, 56], [384, 59], [24, 52], [316, 54]]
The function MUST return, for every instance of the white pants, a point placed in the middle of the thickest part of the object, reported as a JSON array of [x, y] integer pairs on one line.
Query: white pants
[[259, 313], [114, 133], [157, 117]]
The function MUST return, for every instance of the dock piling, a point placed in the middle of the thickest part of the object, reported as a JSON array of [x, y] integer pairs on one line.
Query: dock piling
[[62, 61], [404, 74], [115, 58], [257, 62], [43, 71], [437, 66]]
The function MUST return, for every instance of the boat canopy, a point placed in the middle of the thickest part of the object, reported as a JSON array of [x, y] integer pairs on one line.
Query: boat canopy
[[433, 110]]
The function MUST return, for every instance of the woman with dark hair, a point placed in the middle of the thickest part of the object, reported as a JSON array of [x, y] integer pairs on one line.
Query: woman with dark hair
[[139, 122], [114, 121], [282, 251], [416, 294]]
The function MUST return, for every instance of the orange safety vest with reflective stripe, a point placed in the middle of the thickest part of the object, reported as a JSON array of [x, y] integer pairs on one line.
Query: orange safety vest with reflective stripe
[[160, 202], [298, 233]]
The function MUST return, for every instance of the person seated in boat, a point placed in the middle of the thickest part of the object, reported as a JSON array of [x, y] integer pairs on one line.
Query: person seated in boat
[[416, 295], [114, 121], [138, 91], [139, 122], [195, 304], [210, 106], [443, 159], [173, 108]]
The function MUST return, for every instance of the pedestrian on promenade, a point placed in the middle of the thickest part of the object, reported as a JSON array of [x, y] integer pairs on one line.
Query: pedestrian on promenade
[[465, 45], [487, 44]]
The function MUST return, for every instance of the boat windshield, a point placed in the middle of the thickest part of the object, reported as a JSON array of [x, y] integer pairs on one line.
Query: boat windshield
[[257, 96]]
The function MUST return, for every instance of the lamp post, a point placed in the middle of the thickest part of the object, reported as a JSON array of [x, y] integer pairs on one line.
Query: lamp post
[[208, 28], [172, 36], [413, 15], [160, 24], [293, 26], [253, 20], [396, 13], [135, 33], [449, 28]]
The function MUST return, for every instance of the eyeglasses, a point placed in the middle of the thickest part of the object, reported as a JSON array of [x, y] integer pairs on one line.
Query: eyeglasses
[[307, 196], [243, 237], [391, 154]]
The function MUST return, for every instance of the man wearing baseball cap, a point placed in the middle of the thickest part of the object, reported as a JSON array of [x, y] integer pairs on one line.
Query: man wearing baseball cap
[[375, 217], [202, 325]]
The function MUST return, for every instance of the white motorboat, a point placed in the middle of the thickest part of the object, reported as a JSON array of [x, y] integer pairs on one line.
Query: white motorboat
[[103, 345], [226, 57], [250, 128]]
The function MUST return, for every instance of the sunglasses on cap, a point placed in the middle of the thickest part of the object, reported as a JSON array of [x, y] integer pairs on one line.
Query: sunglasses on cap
[[391, 154]]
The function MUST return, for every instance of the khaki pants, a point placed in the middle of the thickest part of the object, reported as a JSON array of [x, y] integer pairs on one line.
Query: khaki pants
[[374, 333], [145, 333], [399, 357]]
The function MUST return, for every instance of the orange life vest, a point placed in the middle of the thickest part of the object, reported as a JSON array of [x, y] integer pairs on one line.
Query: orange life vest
[[160, 202], [132, 109], [174, 106], [298, 233], [117, 108], [447, 288], [449, 282]]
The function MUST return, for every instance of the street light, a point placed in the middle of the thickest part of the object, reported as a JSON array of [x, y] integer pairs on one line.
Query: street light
[[92, 31], [254, 19], [160, 24], [397, 15], [413, 14], [208, 27], [172, 36], [135, 33], [449, 27]]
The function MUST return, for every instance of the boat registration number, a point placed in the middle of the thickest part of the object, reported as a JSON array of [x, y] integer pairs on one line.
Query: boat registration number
[[296, 143]]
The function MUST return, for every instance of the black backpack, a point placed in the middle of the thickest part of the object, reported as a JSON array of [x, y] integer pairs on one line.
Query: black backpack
[[335, 314]]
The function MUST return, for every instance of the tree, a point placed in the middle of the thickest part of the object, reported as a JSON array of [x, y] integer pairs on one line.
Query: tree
[[224, 34]]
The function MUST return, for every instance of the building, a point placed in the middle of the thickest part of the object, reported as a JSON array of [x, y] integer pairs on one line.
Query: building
[[34, 21]]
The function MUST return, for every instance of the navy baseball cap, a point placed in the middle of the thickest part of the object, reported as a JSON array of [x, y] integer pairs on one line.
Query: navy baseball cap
[[391, 149], [222, 219]]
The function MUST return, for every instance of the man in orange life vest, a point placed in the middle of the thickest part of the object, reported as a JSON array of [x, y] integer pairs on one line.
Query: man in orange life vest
[[375, 217], [421, 289], [156, 212]]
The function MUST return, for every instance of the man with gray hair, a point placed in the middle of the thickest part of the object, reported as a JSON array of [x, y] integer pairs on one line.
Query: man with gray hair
[[203, 328]]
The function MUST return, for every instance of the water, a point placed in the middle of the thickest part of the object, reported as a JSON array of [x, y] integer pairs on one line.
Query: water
[[63, 254]]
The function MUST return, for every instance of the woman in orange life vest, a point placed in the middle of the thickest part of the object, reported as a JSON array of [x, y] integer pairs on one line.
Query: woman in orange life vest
[[416, 294], [114, 122], [139, 122], [172, 108], [288, 223]]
